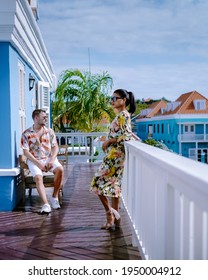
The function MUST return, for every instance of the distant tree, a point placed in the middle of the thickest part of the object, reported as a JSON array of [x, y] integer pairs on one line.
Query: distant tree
[[83, 100], [140, 106], [158, 144]]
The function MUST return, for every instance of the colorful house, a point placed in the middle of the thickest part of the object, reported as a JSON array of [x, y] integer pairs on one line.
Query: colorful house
[[27, 81], [181, 125]]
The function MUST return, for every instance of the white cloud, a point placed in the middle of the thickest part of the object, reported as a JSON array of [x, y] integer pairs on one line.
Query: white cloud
[[155, 48]]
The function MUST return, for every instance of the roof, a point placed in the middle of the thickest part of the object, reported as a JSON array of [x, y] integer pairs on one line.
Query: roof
[[147, 100], [187, 104], [155, 109], [183, 105]]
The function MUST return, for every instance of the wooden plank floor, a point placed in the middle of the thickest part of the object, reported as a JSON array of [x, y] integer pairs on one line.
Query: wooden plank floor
[[73, 232]]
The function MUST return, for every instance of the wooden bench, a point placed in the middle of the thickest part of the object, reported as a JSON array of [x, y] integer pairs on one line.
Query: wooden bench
[[63, 154], [29, 183]]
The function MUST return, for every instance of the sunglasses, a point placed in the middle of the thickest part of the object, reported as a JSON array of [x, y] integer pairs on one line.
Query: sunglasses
[[114, 98]]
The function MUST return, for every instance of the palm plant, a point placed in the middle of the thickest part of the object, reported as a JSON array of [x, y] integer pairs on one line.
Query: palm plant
[[82, 100]]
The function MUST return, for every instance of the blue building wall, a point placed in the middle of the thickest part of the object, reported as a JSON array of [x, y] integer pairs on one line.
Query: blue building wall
[[160, 130], [167, 130], [5, 119], [20, 56], [8, 117], [185, 148], [10, 127]]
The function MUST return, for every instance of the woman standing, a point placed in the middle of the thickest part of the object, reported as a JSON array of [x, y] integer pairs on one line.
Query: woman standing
[[107, 180]]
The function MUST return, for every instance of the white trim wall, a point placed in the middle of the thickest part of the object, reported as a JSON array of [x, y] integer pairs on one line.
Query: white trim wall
[[19, 27], [22, 108]]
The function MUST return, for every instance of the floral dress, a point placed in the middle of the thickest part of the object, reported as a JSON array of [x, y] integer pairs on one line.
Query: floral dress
[[107, 179]]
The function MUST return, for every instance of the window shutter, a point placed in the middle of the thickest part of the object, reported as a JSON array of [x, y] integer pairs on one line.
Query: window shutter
[[44, 92], [44, 98]]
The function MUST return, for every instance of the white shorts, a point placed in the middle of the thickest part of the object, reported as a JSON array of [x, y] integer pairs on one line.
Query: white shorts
[[37, 171]]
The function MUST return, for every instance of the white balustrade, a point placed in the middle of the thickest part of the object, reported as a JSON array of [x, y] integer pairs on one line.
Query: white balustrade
[[83, 146], [191, 137], [166, 198]]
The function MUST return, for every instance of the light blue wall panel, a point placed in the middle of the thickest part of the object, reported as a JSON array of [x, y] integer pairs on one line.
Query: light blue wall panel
[[9, 120], [5, 116], [10, 193], [199, 129]]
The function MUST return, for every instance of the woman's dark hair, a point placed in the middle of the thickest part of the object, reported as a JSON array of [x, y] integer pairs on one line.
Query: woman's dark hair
[[130, 100]]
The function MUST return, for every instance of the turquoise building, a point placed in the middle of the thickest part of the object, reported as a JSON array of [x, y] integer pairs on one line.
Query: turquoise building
[[181, 125], [27, 81]]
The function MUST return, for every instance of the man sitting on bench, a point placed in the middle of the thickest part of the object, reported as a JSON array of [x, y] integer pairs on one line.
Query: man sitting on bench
[[40, 146]]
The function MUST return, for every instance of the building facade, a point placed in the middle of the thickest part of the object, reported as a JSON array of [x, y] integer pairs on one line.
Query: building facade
[[27, 81], [181, 125]]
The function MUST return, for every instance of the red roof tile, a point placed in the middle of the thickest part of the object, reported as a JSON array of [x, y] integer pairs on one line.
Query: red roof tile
[[156, 109], [187, 105]]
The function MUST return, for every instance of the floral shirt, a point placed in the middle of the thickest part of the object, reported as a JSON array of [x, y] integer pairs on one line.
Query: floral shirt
[[39, 147]]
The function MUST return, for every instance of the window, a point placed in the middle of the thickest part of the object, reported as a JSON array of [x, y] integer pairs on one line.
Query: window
[[199, 154], [192, 154], [192, 128], [162, 127], [168, 128], [202, 155], [189, 128], [150, 131], [200, 104]]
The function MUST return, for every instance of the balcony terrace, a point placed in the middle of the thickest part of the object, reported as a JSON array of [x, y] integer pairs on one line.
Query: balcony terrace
[[164, 210], [73, 232], [192, 137]]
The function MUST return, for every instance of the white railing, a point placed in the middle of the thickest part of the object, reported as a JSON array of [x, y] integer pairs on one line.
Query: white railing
[[192, 137], [166, 198], [83, 146]]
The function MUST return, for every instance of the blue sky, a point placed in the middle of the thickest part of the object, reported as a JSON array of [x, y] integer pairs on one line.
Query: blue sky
[[154, 48]]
